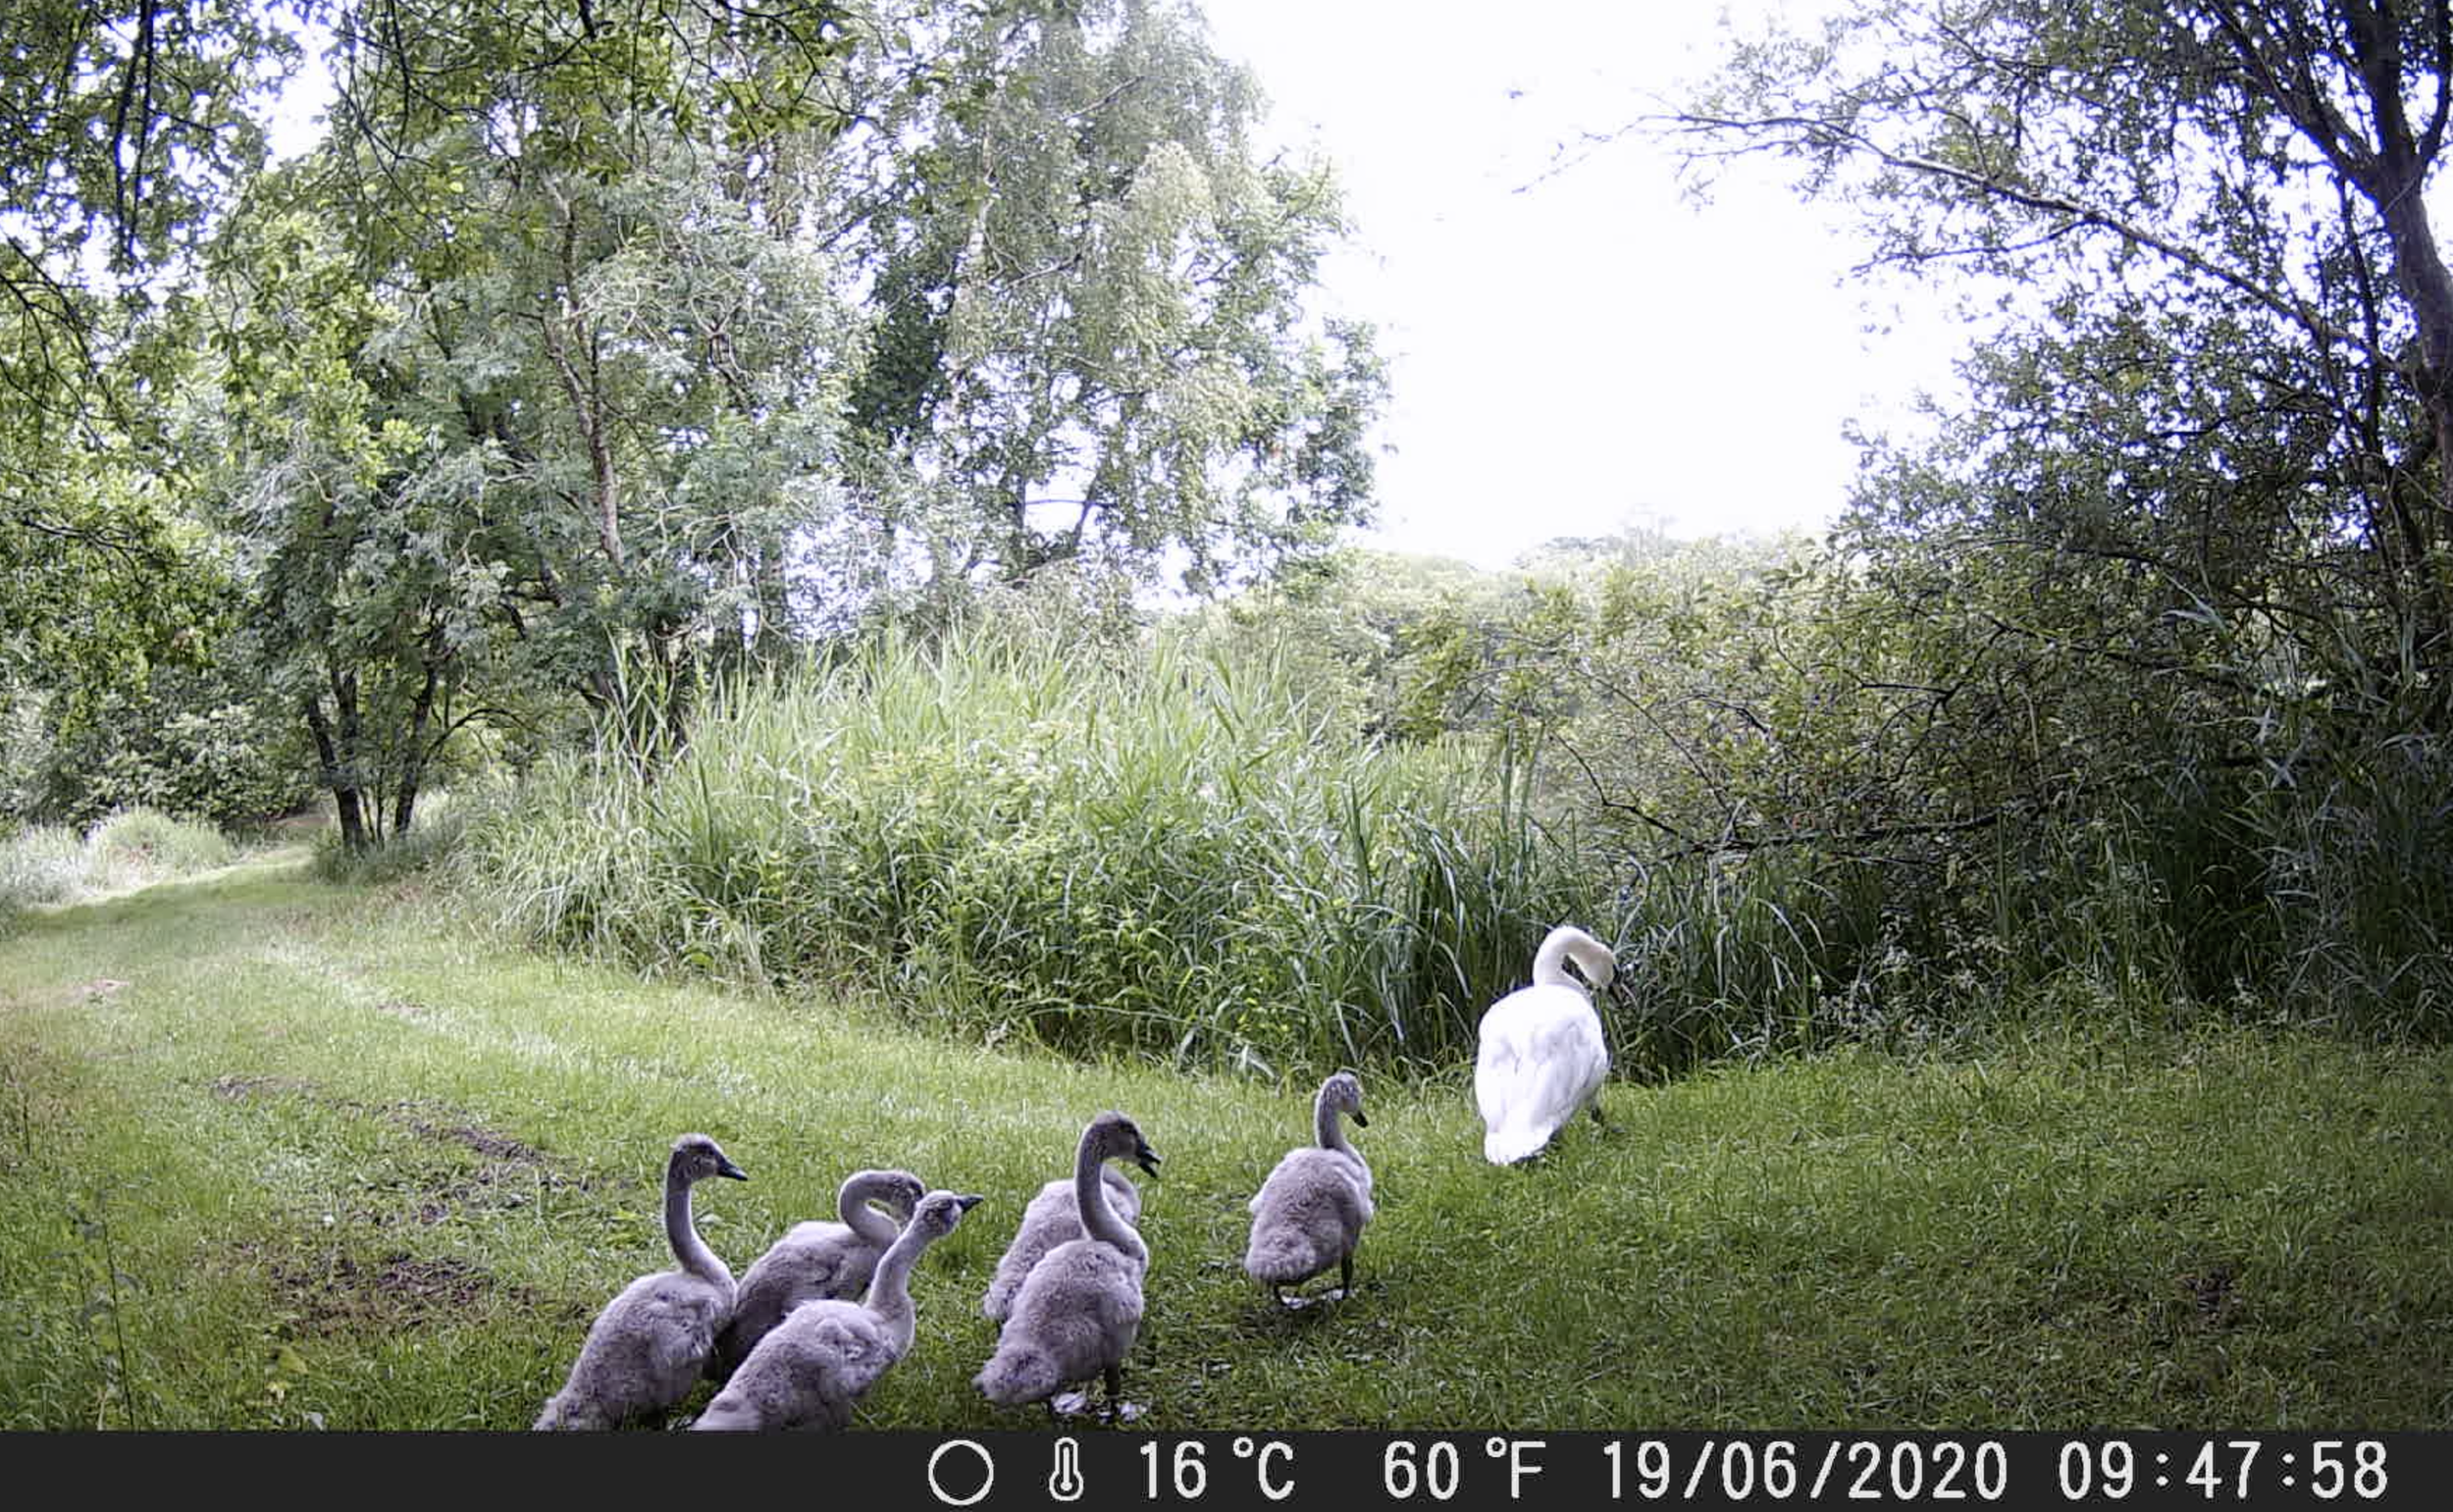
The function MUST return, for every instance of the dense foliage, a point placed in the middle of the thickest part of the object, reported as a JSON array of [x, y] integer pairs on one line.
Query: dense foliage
[[2178, 576]]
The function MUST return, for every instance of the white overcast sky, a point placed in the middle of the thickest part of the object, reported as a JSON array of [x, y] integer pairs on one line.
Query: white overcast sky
[[1579, 349]]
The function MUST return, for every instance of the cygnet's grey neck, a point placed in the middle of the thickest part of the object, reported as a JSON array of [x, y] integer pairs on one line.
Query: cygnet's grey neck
[[683, 1233], [852, 1206], [1330, 1127], [1098, 1220], [890, 1289]]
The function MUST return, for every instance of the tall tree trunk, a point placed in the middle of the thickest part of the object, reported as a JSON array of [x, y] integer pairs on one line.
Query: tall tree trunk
[[2279, 46], [2428, 287], [773, 600], [343, 786], [413, 752]]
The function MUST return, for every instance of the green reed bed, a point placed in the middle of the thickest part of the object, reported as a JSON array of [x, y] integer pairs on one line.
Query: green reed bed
[[1172, 852]]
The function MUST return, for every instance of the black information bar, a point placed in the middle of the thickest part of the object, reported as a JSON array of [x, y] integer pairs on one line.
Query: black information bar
[[1103, 1468]]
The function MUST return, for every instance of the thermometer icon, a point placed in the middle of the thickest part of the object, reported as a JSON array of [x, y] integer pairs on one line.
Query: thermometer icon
[[1065, 1483]]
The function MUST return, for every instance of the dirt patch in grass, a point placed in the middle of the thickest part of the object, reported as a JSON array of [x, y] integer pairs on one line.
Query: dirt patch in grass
[[2215, 1294], [44, 998], [340, 1294], [426, 1119], [512, 1173], [493, 1189], [239, 1089], [492, 1144]]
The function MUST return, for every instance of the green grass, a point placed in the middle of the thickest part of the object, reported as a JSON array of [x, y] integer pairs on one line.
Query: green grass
[[282, 1154]]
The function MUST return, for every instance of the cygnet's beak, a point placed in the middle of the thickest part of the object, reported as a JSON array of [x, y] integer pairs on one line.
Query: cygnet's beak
[[1361, 1122], [970, 1201], [725, 1168], [1146, 1158]]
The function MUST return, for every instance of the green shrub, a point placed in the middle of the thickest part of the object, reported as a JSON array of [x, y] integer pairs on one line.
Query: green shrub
[[51, 864], [186, 744], [444, 816]]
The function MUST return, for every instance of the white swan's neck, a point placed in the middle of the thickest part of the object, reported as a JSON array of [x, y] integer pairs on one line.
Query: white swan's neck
[[1098, 1220], [682, 1232], [1550, 961], [852, 1204], [890, 1289]]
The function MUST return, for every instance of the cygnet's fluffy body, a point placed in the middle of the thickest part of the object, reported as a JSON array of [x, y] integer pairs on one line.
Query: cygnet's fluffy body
[[816, 1261], [1542, 1055], [647, 1349], [1079, 1309], [815, 1366], [1052, 1218], [1310, 1213]]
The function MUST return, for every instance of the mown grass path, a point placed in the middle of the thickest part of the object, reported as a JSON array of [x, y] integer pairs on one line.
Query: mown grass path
[[279, 1154]]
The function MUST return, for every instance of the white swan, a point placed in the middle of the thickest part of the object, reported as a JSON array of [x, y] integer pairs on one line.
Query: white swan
[[1052, 1218], [1079, 1309], [1311, 1211], [809, 1369], [817, 1260], [646, 1349], [1542, 1055]]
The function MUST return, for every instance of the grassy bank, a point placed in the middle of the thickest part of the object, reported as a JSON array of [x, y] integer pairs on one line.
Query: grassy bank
[[280, 1154]]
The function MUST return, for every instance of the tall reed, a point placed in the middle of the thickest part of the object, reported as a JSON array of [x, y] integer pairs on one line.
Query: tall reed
[[1179, 852]]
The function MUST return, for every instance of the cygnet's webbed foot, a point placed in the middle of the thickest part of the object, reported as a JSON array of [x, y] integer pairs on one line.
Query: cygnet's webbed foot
[[1065, 1404]]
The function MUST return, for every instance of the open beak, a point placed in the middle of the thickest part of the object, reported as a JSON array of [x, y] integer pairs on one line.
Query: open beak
[[1147, 1158]]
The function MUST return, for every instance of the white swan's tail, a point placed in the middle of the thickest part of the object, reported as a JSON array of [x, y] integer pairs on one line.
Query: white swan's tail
[[1507, 1146]]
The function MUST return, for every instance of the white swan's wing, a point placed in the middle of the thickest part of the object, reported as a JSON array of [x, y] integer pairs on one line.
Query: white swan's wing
[[1540, 1055]]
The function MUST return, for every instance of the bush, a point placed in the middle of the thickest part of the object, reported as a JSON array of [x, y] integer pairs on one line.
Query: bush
[[51, 864], [443, 819], [186, 745]]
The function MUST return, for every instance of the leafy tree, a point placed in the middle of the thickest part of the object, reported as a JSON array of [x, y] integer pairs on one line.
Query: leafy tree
[[2230, 361], [124, 124], [1090, 340], [2180, 566]]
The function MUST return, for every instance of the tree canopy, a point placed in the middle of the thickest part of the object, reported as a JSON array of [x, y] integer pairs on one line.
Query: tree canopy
[[2226, 359]]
